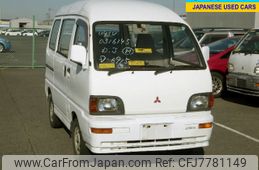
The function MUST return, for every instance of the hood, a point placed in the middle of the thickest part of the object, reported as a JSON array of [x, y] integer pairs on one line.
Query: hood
[[142, 92], [244, 63]]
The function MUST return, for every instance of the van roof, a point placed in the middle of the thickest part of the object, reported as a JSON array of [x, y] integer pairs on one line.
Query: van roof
[[120, 10]]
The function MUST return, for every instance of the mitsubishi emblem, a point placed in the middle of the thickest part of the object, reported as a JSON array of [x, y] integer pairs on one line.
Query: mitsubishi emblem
[[157, 100]]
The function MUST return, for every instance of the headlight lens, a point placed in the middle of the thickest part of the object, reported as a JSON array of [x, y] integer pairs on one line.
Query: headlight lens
[[200, 102], [230, 67], [106, 105], [256, 71]]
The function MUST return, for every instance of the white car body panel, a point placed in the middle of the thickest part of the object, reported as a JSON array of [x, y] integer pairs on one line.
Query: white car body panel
[[242, 77], [172, 127]]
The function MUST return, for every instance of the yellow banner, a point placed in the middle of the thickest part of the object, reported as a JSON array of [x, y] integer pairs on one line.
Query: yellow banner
[[222, 7]]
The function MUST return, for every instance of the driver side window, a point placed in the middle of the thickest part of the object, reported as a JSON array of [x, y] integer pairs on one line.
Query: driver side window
[[81, 35]]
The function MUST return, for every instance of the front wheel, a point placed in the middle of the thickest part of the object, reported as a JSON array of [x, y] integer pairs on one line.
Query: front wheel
[[218, 83], [53, 119], [1, 47], [77, 140]]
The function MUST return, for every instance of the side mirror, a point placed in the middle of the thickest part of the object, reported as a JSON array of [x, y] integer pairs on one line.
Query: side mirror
[[206, 52], [79, 55]]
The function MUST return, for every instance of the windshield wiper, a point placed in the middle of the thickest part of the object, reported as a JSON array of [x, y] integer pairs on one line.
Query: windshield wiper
[[111, 72], [170, 68]]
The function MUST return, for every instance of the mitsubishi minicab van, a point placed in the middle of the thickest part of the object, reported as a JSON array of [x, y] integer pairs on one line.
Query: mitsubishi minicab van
[[116, 78], [243, 66]]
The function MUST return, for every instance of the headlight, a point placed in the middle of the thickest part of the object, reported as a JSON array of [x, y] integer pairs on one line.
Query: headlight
[[230, 67], [106, 105], [256, 71], [200, 102]]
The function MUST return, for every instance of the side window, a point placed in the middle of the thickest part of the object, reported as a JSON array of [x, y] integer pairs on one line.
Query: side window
[[65, 37], [54, 34], [81, 35]]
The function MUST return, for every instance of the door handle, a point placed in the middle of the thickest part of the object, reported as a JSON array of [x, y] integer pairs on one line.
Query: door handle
[[68, 70], [65, 70]]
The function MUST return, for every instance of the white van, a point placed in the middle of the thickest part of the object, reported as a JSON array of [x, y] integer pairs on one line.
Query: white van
[[117, 79], [243, 66]]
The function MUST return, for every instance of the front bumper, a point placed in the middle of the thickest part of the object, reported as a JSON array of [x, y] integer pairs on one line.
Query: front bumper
[[243, 84], [136, 133]]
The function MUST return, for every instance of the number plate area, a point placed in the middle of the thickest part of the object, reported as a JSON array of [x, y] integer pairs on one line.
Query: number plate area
[[156, 131], [241, 83]]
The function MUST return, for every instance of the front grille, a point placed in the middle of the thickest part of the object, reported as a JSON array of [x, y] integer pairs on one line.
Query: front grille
[[241, 83], [155, 143]]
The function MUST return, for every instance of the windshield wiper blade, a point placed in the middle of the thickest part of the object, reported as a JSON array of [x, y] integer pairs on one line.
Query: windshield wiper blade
[[171, 68], [111, 72]]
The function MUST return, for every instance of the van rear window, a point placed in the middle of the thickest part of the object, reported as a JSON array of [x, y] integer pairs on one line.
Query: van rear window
[[145, 46]]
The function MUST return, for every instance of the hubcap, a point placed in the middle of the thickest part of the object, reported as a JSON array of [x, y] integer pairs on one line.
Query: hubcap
[[77, 140], [217, 85]]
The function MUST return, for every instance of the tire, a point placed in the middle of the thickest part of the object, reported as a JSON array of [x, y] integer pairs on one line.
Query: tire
[[1, 48], [53, 119], [218, 84], [77, 140]]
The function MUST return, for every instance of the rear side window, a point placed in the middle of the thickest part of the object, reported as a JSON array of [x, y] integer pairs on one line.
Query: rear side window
[[65, 37], [54, 34]]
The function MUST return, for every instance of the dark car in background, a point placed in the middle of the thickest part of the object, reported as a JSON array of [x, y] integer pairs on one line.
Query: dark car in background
[[44, 33], [5, 44], [218, 62]]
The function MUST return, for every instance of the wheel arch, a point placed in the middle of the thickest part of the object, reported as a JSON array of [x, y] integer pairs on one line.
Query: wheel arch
[[217, 71], [1, 43]]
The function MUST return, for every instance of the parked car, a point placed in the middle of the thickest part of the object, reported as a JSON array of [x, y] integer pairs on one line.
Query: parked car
[[29, 32], [13, 32], [218, 62], [243, 66], [3, 31], [209, 35], [44, 33], [5, 44]]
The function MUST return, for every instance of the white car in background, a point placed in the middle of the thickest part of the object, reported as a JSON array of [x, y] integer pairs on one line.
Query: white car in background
[[3, 31], [29, 32], [13, 32], [243, 66]]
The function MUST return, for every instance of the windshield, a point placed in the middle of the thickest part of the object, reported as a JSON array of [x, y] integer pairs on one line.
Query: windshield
[[144, 46], [250, 44], [221, 45]]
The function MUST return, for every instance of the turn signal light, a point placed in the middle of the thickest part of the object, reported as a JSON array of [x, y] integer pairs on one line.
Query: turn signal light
[[93, 105], [257, 84], [205, 125], [211, 101], [101, 130]]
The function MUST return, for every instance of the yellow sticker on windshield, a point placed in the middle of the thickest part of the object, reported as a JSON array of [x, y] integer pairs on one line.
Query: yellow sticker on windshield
[[106, 65], [136, 63], [143, 50]]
